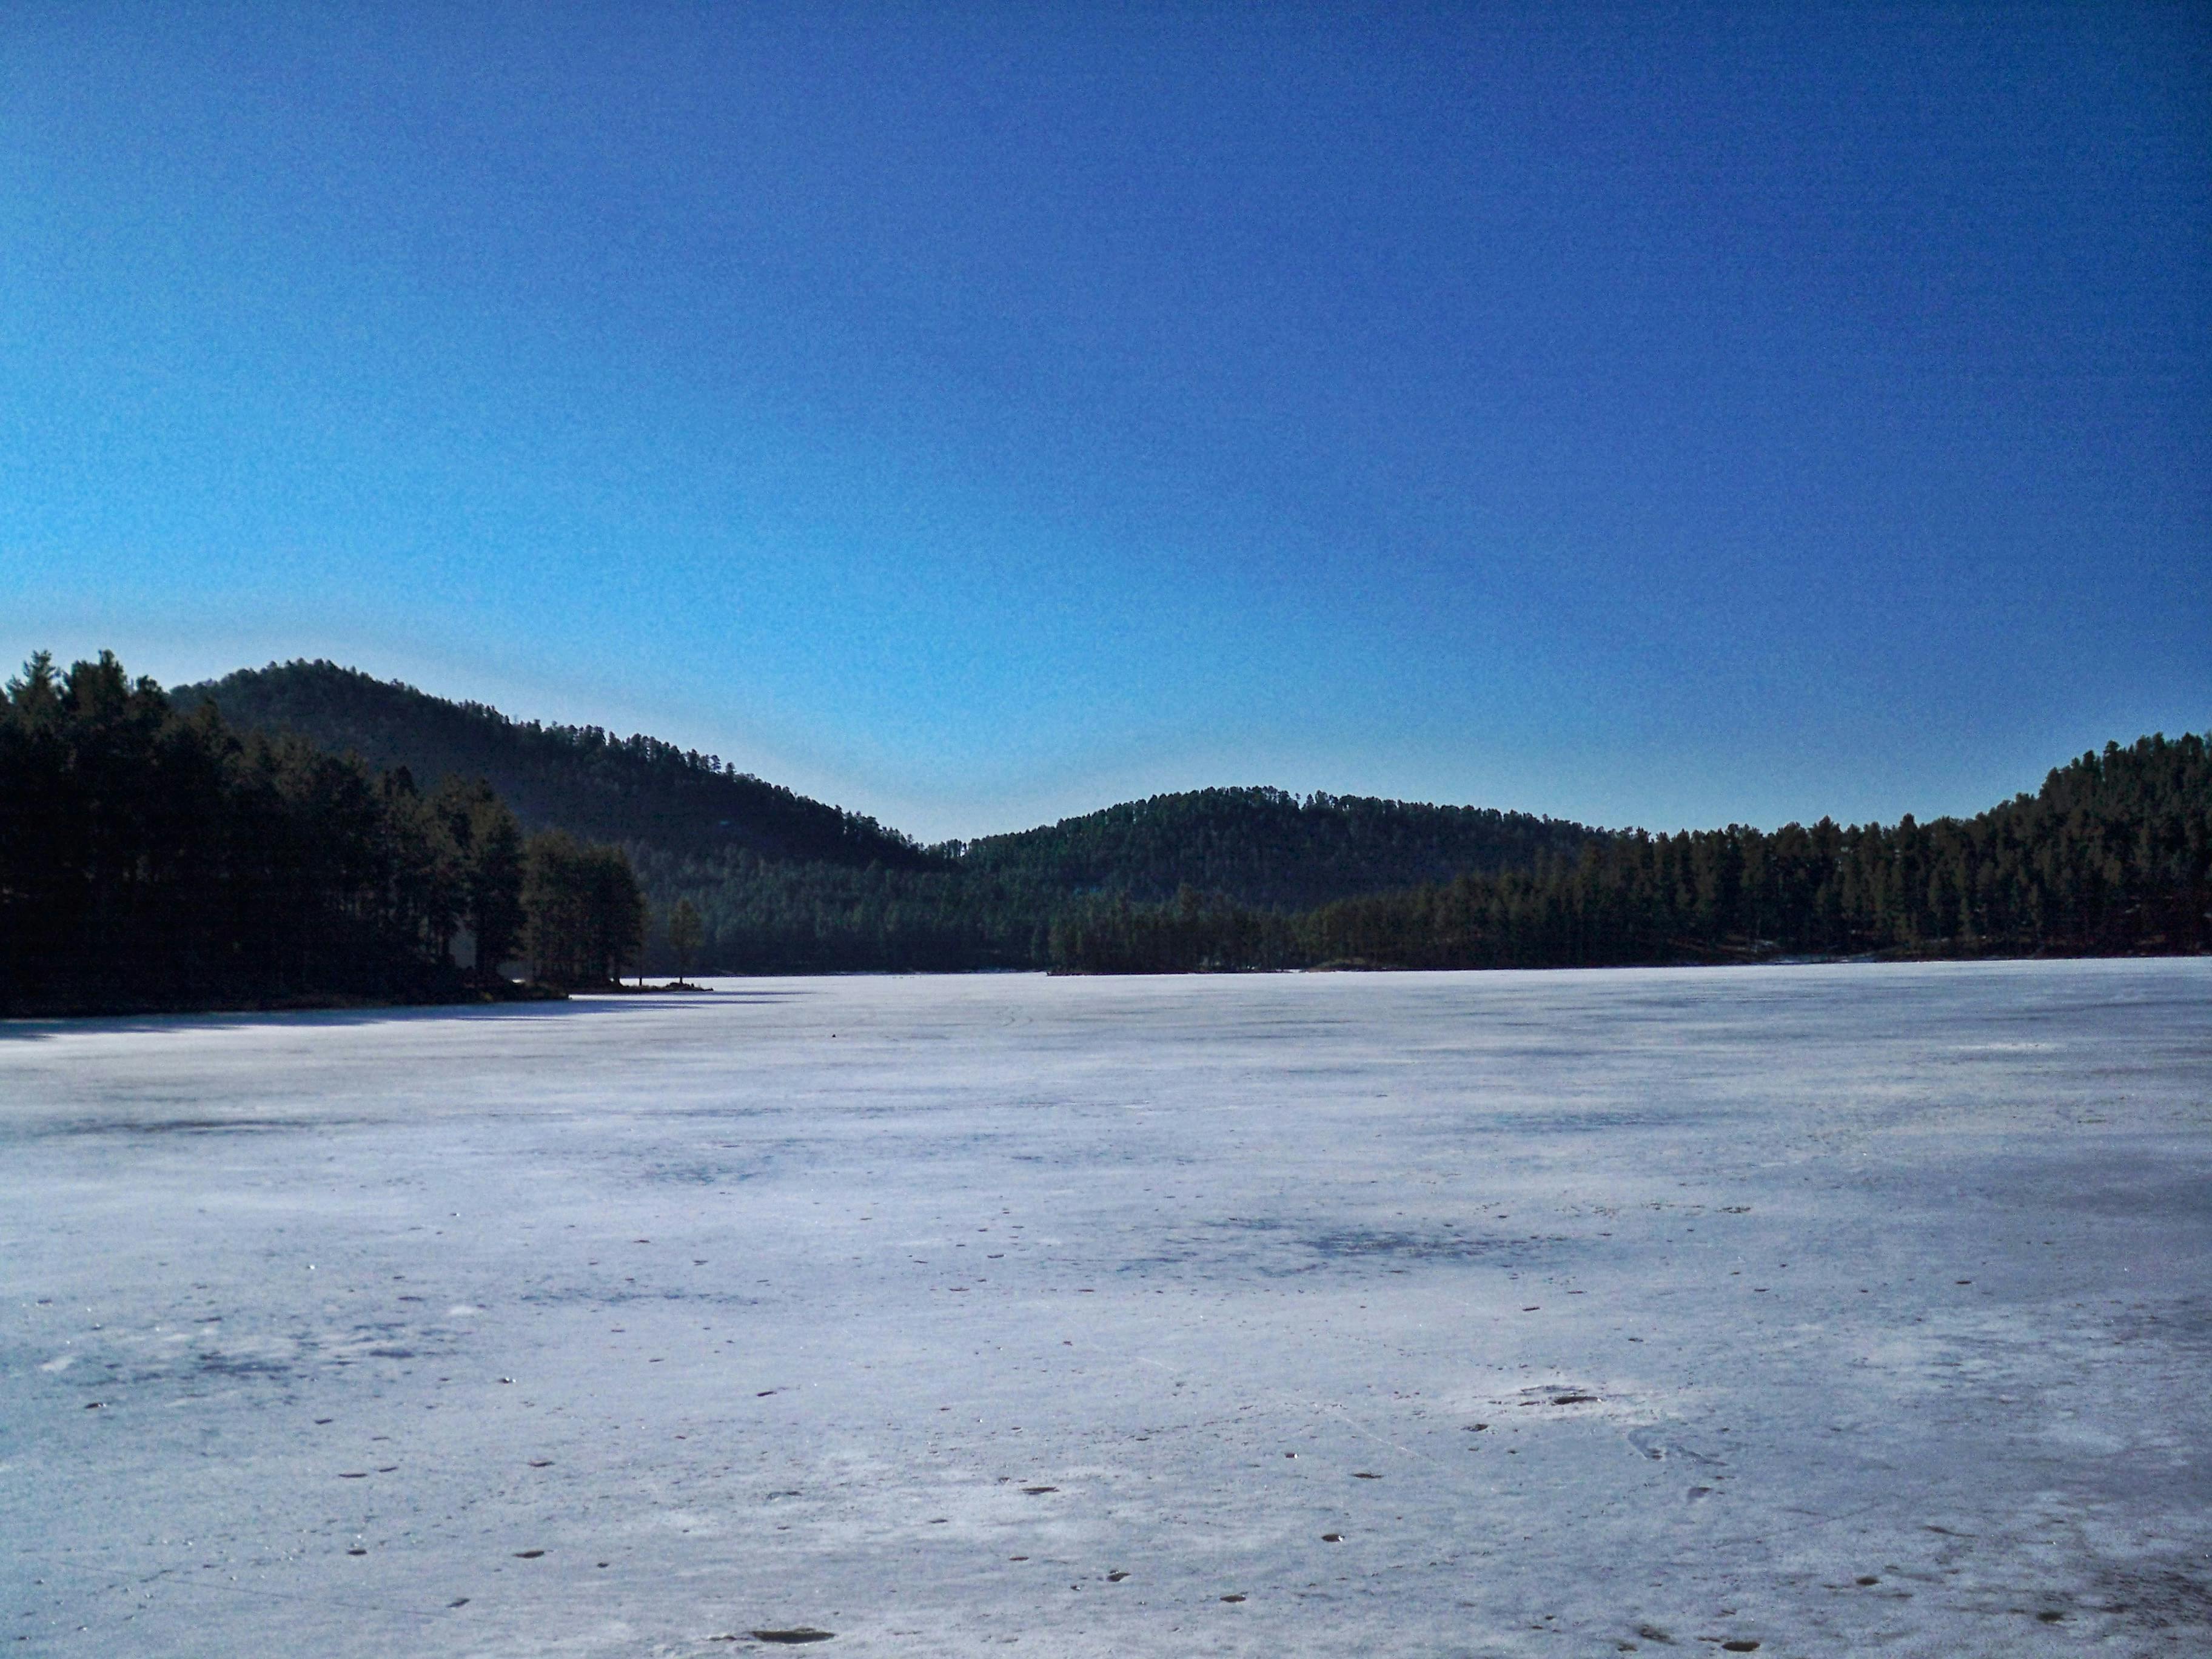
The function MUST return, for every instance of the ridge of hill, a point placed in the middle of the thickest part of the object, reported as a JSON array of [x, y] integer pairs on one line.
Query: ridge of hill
[[1259, 846], [786, 884], [578, 778], [2113, 854], [1272, 849]]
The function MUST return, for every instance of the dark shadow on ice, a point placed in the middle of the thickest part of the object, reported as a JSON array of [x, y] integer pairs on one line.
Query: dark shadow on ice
[[188, 1125], [576, 1007], [1297, 1249], [1354, 1242]]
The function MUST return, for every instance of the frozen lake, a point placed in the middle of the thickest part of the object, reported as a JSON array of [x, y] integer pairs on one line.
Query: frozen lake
[[1834, 1309]]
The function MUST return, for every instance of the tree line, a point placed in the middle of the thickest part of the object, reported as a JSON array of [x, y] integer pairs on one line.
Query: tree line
[[151, 857], [777, 882], [758, 915], [995, 902], [2110, 857]]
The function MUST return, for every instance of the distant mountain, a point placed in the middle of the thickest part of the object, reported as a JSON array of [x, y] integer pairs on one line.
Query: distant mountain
[[2110, 856], [578, 778], [785, 883], [148, 858], [1270, 849]]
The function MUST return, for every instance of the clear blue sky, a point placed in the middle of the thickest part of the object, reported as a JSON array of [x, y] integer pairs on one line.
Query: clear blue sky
[[1643, 414]]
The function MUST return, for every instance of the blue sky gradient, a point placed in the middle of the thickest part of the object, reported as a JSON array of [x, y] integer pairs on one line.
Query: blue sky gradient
[[1643, 414]]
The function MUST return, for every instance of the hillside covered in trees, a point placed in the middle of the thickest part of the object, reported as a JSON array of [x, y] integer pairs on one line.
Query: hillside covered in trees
[[1268, 849], [577, 778], [2112, 855], [991, 903], [308, 832], [152, 858], [783, 883]]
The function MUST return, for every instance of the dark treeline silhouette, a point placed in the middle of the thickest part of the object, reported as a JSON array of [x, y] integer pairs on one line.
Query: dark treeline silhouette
[[992, 904], [1197, 932], [2110, 857], [634, 790], [585, 914], [758, 915], [780, 883], [1267, 848], [153, 853], [151, 857]]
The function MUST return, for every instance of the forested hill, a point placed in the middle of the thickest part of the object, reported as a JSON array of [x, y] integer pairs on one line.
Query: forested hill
[[2112, 856], [1269, 849], [675, 808], [577, 778]]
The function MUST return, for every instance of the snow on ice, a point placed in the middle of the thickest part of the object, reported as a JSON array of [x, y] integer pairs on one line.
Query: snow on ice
[[1795, 1310]]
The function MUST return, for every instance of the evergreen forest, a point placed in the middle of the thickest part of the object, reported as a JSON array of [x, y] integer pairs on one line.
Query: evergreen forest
[[2112, 856], [305, 833], [152, 858]]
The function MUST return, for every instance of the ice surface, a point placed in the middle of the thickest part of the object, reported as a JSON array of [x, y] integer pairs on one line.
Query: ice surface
[[1839, 1310]]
